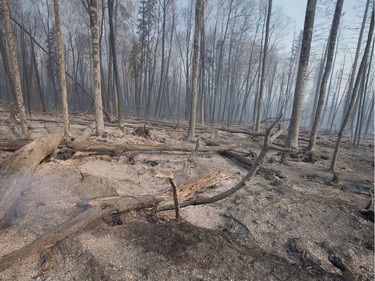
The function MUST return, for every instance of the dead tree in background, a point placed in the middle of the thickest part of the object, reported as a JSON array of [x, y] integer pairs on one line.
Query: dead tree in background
[[203, 57], [263, 73], [355, 92], [292, 141], [356, 57], [60, 49], [99, 121], [112, 43], [16, 71], [193, 108], [363, 96], [327, 71]]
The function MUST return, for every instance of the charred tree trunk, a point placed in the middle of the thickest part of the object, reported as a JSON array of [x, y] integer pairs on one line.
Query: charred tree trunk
[[327, 72], [263, 73], [193, 107], [355, 91], [60, 50], [114, 60], [293, 132], [16, 72], [99, 121]]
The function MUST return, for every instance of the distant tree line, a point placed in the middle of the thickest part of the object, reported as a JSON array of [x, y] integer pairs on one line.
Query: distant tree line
[[204, 61]]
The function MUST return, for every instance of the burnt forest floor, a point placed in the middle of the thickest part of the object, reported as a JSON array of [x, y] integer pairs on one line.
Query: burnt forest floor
[[290, 222]]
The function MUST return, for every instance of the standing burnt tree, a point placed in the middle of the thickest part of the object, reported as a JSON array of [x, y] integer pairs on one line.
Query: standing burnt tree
[[16, 71], [327, 71], [292, 141], [60, 50], [99, 121], [355, 92], [193, 108], [112, 43], [263, 73]]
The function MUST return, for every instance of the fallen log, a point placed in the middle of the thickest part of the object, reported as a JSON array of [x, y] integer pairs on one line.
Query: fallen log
[[239, 131], [17, 169], [77, 223], [247, 163], [86, 133], [101, 207], [107, 148], [13, 145]]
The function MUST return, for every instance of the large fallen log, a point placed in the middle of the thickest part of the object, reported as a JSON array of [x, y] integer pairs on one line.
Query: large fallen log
[[16, 170], [73, 225], [13, 145], [107, 148]]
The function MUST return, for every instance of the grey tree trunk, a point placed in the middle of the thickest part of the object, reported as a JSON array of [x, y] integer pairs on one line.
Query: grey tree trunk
[[218, 82], [38, 80], [327, 72], [318, 83], [292, 141], [355, 91], [370, 116], [360, 102], [114, 57], [161, 84], [335, 102], [99, 121], [362, 108], [60, 50], [263, 73], [330, 83], [203, 58], [356, 57], [193, 108], [6, 66], [16, 72]]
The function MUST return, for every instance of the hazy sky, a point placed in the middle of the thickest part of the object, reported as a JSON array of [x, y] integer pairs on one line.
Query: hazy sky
[[296, 9]]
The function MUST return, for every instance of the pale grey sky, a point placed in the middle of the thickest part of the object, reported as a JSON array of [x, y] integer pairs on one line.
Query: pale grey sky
[[296, 9]]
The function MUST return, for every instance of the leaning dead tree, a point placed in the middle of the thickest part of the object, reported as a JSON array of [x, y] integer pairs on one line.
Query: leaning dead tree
[[185, 194]]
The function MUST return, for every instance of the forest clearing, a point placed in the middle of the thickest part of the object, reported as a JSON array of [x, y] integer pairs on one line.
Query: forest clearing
[[176, 140]]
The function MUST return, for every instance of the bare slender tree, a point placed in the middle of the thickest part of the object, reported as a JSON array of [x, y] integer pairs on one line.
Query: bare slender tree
[[193, 109], [99, 121], [60, 50], [114, 60], [355, 92], [16, 72], [356, 57], [327, 71], [203, 57], [263, 73], [292, 141]]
